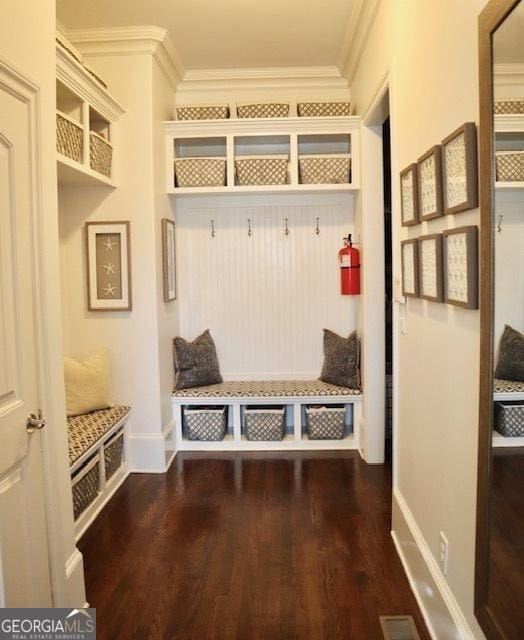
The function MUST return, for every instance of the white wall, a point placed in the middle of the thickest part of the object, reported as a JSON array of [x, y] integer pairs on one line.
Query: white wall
[[27, 41], [429, 50], [265, 298]]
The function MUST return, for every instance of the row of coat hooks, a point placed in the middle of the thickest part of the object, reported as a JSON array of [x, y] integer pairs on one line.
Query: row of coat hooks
[[250, 227]]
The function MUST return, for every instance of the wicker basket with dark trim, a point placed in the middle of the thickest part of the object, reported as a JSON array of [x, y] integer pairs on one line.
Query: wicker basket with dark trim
[[264, 423], [509, 418], [263, 110], [325, 423], [86, 485], [323, 109], [114, 454], [206, 423], [261, 170], [325, 169], [100, 154], [69, 137], [200, 172], [509, 107], [510, 166], [202, 112]]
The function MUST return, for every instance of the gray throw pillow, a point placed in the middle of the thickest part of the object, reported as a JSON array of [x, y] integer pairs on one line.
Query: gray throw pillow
[[341, 360], [511, 356], [196, 363]]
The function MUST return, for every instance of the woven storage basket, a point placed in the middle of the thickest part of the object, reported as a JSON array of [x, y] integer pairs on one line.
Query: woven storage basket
[[200, 172], [260, 170], [324, 169], [100, 154], [69, 136], [510, 166], [263, 110], [323, 109], [114, 454], [265, 423], [509, 418], [86, 485], [202, 112], [205, 423], [325, 423], [509, 106]]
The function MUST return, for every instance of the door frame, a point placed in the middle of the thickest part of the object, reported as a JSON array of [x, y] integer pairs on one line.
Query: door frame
[[65, 561]]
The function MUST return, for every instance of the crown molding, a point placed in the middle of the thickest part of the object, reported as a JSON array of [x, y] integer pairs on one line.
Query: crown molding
[[356, 37], [268, 78], [148, 39], [509, 73]]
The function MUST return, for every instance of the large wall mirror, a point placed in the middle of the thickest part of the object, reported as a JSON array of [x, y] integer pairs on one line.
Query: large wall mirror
[[499, 588]]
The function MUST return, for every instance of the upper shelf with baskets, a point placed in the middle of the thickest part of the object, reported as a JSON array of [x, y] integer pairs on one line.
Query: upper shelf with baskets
[[509, 151], [262, 155], [85, 115]]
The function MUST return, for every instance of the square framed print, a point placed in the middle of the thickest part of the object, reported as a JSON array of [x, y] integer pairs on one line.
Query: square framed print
[[409, 195], [460, 251], [169, 259], [459, 169], [431, 277], [410, 275], [430, 184], [108, 266]]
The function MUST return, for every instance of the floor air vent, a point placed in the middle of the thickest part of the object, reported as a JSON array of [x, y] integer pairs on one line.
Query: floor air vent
[[399, 628]]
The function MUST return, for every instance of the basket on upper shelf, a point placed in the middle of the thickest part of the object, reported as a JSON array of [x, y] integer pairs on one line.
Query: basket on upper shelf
[[69, 136], [323, 109], [263, 110], [325, 169], [261, 170], [202, 112], [200, 172], [509, 107], [509, 166], [100, 154]]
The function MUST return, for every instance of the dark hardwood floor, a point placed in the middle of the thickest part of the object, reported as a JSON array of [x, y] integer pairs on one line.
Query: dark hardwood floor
[[287, 546]]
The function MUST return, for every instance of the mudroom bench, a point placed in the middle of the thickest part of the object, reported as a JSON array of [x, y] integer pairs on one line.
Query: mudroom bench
[[267, 415], [97, 460], [507, 392]]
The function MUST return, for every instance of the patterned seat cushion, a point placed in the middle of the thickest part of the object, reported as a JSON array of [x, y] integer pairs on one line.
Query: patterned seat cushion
[[83, 431], [267, 388], [507, 386]]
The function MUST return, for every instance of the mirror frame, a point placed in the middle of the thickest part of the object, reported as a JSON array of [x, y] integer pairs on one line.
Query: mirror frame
[[492, 16]]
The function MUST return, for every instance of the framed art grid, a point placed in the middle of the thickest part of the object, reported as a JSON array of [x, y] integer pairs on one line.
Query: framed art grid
[[460, 170], [409, 199], [460, 254], [430, 184], [410, 275], [430, 270]]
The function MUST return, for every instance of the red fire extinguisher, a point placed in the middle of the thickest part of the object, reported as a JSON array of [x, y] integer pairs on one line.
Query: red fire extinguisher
[[349, 259]]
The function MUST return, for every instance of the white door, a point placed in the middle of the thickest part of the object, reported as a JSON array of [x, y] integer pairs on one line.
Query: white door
[[24, 563]]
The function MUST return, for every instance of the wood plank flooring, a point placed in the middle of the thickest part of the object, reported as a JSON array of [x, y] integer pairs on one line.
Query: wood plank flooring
[[291, 546]]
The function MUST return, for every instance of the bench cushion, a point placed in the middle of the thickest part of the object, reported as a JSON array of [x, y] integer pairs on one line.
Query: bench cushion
[[85, 430], [507, 386], [267, 388]]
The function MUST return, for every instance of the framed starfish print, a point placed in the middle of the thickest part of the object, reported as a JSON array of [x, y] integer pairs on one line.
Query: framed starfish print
[[108, 266]]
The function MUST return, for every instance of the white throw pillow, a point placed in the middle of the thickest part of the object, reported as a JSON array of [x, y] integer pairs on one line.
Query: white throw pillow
[[88, 383]]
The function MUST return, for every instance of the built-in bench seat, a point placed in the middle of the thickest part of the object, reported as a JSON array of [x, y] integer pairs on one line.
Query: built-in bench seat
[[97, 461], [294, 395]]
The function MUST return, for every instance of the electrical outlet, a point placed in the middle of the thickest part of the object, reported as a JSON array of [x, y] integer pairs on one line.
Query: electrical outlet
[[443, 553]]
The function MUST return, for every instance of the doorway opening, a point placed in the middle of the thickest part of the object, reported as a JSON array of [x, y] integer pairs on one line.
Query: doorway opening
[[388, 286]]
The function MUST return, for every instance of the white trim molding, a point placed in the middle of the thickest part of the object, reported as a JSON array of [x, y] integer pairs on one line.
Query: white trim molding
[[147, 453], [132, 40], [440, 609], [357, 34], [509, 74]]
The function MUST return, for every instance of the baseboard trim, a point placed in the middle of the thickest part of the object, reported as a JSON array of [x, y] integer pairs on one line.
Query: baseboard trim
[[74, 581], [439, 608], [146, 453]]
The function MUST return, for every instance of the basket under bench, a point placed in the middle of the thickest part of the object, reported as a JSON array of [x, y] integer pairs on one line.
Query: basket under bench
[[97, 460], [296, 396]]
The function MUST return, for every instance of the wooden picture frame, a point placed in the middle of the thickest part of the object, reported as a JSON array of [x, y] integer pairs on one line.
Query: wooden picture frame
[[430, 269], [409, 195], [460, 253], [108, 266], [409, 262], [169, 259], [430, 184], [460, 169]]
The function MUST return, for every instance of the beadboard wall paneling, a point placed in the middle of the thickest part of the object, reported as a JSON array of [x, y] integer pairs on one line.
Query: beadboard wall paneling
[[265, 298]]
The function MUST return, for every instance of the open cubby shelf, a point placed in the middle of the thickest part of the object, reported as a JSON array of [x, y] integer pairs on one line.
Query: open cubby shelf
[[292, 137], [509, 136]]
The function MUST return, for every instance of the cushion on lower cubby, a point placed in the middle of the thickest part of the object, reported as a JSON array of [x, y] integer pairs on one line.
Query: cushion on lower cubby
[[85, 430], [267, 388]]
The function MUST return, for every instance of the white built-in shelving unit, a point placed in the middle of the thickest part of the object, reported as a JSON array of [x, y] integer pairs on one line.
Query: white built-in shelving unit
[[84, 102], [498, 439], [234, 137], [509, 136]]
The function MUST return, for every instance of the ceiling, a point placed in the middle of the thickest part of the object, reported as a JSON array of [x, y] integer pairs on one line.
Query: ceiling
[[229, 34], [508, 40]]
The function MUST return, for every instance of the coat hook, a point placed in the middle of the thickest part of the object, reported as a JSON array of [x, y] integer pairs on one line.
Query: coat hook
[[317, 230], [249, 230], [499, 224], [213, 232], [286, 230]]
